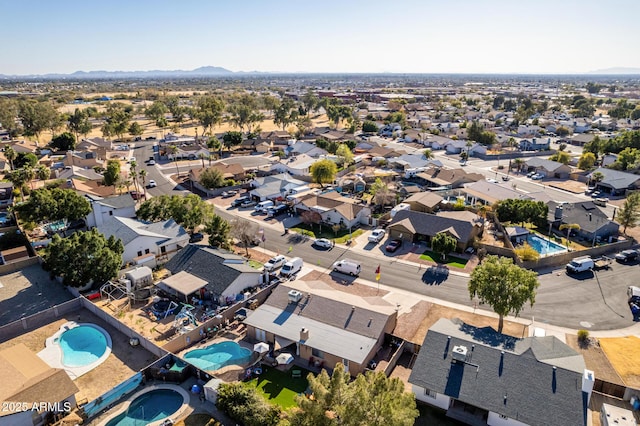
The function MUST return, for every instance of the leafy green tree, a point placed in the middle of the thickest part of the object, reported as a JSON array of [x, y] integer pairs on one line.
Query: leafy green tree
[[477, 133], [286, 113], [189, 211], [443, 244], [208, 111], [587, 161], [428, 154], [117, 118], [218, 230], [156, 111], [562, 131], [369, 127], [18, 178], [25, 159], [211, 178], [629, 212], [561, 157], [344, 154], [135, 129], [49, 205], [245, 405], [523, 211], [244, 112], [214, 144], [310, 101], [36, 117], [78, 123], [628, 159], [371, 399], [83, 257], [232, 139], [43, 172], [323, 171], [506, 287], [8, 115], [111, 176], [63, 142]]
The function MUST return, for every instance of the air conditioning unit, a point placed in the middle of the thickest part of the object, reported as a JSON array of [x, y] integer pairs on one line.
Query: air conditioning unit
[[459, 353], [294, 296]]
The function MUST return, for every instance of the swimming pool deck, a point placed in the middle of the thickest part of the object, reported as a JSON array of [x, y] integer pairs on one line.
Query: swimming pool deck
[[52, 353], [179, 414]]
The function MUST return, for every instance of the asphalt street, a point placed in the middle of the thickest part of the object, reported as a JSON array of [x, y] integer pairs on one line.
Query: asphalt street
[[595, 301]]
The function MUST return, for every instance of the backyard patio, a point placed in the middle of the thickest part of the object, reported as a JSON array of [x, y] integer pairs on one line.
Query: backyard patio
[[281, 387]]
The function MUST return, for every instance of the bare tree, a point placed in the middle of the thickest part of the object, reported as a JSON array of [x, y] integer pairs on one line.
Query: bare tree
[[245, 231]]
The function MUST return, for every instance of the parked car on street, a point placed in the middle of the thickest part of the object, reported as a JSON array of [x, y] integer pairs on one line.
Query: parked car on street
[[274, 263], [377, 235], [600, 201], [393, 246], [248, 203], [537, 177], [627, 256], [196, 237], [152, 162], [238, 201], [322, 243], [152, 184]]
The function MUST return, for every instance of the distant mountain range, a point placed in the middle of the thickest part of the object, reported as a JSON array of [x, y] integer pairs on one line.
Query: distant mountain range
[[617, 70], [198, 72]]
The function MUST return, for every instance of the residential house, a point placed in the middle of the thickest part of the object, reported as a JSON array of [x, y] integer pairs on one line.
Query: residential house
[[435, 177], [425, 202], [103, 209], [224, 275], [535, 144], [408, 190], [84, 159], [191, 152], [616, 182], [322, 327], [28, 379], [594, 225], [480, 376], [274, 187], [298, 165], [336, 209], [488, 193], [548, 168], [6, 194], [228, 171], [146, 243], [455, 146], [436, 142], [303, 147], [414, 226], [582, 139], [414, 161], [525, 130], [93, 144]]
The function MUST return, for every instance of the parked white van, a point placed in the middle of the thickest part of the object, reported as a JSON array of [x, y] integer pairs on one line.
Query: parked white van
[[347, 266], [580, 264], [263, 206], [292, 267]]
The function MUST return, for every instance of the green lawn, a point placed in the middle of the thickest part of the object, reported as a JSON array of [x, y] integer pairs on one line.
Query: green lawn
[[279, 387], [340, 237], [255, 264], [453, 261]]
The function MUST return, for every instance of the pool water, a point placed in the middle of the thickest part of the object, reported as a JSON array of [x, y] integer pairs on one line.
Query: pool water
[[218, 355], [544, 246], [82, 345], [149, 407]]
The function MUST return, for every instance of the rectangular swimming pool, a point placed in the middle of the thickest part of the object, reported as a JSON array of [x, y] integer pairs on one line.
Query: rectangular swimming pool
[[544, 246]]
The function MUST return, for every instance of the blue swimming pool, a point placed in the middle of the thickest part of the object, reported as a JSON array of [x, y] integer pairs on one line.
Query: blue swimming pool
[[544, 246], [149, 407], [82, 345], [218, 355]]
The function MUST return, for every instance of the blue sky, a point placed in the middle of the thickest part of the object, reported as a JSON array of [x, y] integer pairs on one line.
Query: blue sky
[[430, 36]]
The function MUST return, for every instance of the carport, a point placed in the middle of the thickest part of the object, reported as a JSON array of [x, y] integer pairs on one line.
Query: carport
[[182, 284]]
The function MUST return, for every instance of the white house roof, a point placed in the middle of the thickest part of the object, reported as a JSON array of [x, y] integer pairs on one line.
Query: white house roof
[[127, 230]]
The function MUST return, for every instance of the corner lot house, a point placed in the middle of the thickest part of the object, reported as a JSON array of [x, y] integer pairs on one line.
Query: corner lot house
[[482, 377], [616, 182], [145, 242], [548, 168], [103, 209], [594, 224], [321, 327]]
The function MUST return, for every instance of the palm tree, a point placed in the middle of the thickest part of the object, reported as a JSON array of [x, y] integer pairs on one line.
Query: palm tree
[[518, 163], [174, 151], [213, 143], [143, 176], [596, 177], [569, 227], [29, 175], [202, 157], [428, 154], [18, 179], [43, 172], [10, 154], [132, 167]]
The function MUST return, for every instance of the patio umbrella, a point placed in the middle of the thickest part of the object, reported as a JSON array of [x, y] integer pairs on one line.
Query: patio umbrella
[[284, 358], [261, 347]]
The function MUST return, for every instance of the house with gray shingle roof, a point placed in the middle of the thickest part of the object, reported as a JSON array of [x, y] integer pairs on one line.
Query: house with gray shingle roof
[[592, 220], [223, 274], [548, 168], [322, 326], [414, 226], [274, 186], [616, 182], [336, 209], [480, 376], [144, 242]]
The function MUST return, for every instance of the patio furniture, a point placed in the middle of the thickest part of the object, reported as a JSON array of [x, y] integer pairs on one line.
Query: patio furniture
[[296, 374]]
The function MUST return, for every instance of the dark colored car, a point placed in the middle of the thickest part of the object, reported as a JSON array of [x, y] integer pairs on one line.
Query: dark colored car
[[627, 256], [136, 195], [393, 246], [196, 238]]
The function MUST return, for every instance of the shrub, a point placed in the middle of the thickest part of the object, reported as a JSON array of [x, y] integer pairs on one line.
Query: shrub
[[526, 252], [583, 336], [246, 405]]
